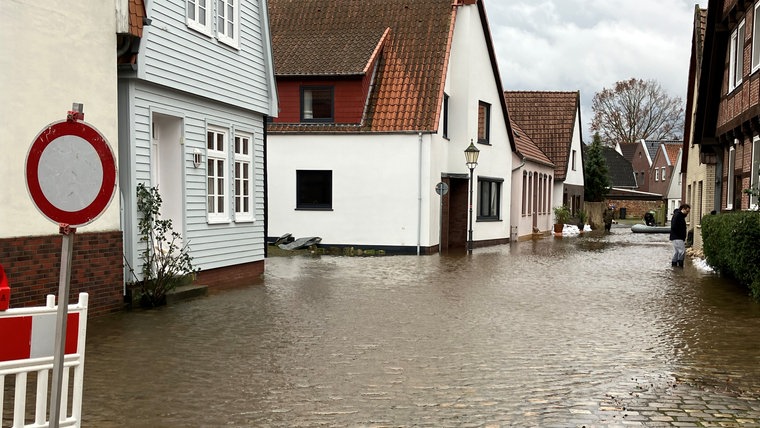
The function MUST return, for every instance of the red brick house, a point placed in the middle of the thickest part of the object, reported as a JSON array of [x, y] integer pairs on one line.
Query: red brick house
[[727, 114]]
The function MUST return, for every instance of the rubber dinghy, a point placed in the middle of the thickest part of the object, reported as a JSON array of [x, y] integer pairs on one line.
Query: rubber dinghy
[[643, 228]]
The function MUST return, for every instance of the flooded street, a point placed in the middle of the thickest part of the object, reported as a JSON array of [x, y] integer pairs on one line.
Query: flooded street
[[585, 331]]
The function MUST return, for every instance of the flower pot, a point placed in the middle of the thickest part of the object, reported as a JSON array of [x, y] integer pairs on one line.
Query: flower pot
[[558, 227]]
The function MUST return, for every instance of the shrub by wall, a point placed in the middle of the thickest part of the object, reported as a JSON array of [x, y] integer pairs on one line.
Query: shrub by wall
[[730, 245]]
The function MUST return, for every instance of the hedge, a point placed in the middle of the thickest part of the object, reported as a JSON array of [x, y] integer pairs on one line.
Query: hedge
[[730, 242]]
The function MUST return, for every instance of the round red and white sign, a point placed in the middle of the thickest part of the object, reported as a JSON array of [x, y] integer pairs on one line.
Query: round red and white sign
[[71, 173]]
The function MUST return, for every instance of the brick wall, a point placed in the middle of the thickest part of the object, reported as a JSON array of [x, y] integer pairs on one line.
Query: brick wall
[[634, 208], [32, 264], [231, 276]]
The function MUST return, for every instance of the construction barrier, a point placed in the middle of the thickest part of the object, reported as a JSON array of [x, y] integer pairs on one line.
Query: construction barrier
[[27, 342]]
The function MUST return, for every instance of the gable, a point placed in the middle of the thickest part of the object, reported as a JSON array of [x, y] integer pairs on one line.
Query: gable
[[550, 119]]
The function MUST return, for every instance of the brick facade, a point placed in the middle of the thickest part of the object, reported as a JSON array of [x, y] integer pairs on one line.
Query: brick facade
[[634, 208], [32, 264], [231, 276]]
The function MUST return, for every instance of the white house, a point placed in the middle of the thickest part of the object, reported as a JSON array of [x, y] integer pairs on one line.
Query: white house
[[552, 119], [53, 57], [195, 85], [379, 100]]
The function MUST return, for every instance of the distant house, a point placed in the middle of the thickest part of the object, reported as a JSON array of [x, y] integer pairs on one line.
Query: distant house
[[553, 122], [727, 113], [619, 169], [195, 87], [532, 187], [663, 167], [674, 190], [699, 187], [379, 100], [625, 193]]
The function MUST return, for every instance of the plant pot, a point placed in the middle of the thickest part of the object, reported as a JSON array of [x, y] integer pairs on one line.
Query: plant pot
[[558, 227]]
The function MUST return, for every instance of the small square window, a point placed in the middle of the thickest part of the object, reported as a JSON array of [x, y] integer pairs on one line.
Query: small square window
[[313, 189], [317, 104]]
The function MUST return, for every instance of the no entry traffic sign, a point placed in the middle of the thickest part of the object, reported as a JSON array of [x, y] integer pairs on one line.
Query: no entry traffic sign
[[70, 173]]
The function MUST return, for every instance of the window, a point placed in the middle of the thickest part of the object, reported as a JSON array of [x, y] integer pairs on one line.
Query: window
[[663, 174], [445, 115], [243, 177], [316, 104], [484, 122], [216, 176], [313, 190], [228, 21], [530, 193], [656, 174], [489, 198], [736, 52], [756, 38], [199, 15], [755, 177], [730, 181], [524, 191], [573, 160]]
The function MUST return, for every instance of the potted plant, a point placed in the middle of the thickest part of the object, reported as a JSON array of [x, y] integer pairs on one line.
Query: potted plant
[[561, 216], [582, 218]]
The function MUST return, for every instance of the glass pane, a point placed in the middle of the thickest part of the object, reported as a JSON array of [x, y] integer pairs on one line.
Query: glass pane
[[220, 142], [210, 140], [202, 12], [230, 29], [245, 188], [237, 145], [210, 186], [245, 171], [237, 187], [246, 208], [220, 187], [246, 142], [220, 208], [191, 9], [237, 205], [210, 204], [237, 169], [210, 166], [220, 168]]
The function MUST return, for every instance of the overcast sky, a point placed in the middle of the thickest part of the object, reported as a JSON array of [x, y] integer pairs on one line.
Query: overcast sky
[[588, 45]]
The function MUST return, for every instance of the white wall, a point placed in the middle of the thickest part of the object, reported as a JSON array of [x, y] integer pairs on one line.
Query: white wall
[[375, 188], [575, 177], [53, 55], [524, 223]]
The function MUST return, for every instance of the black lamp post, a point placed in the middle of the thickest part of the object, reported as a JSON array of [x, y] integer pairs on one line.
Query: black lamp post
[[471, 156]]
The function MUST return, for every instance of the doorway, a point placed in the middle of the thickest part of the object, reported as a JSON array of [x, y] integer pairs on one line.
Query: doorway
[[166, 166]]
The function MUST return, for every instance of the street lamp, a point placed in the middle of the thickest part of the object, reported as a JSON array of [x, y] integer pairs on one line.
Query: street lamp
[[471, 156]]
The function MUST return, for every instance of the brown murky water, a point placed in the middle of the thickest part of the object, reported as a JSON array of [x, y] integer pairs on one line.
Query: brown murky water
[[509, 335]]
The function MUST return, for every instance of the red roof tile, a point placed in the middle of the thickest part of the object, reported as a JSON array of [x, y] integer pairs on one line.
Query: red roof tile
[[339, 37], [671, 150], [549, 118]]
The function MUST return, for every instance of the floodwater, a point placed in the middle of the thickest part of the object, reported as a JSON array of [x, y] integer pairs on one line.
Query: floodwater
[[515, 335]]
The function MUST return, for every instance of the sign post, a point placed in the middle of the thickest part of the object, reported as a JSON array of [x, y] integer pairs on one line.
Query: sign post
[[71, 177], [441, 189]]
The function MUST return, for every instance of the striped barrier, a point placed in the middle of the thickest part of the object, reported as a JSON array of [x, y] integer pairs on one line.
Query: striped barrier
[[27, 342]]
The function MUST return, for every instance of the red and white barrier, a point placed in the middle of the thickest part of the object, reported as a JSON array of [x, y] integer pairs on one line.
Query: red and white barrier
[[27, 342]]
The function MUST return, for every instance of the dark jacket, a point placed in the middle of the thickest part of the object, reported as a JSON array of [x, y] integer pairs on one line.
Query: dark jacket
[[678, 226]]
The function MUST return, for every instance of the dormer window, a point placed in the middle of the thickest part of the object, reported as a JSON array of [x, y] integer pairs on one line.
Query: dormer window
[[317, 104]]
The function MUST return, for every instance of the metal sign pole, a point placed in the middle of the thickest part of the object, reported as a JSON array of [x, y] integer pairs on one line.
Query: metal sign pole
[[64, 281]]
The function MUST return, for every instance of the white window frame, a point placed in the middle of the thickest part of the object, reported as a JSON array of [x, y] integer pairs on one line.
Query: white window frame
[[736, 59], [218, 210], [196, 7], [664, 174], [243, 163], [657, 174], [755, 178], [756, 38], [730, 178], [222, 21]]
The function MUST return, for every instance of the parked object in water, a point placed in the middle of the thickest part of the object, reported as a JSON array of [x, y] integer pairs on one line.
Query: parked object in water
[[643, 228]]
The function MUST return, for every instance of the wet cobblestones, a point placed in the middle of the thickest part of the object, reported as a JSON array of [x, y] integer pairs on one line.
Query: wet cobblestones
[[566, 333]]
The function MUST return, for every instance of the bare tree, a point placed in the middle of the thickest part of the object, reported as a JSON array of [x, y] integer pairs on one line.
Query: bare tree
[[636, 109]]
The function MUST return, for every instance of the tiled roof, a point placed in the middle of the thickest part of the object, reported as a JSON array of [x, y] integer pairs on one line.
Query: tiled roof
[[527, 148], [628, 149], [338, 37], [701, 25], [653, 145], [549, 118], [619, 168], [671, 150], [136, 15]]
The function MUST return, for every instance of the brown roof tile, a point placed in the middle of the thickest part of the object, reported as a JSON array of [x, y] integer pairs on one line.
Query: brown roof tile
[[339, 37], [549, 118], [671, 150], [527, 148]]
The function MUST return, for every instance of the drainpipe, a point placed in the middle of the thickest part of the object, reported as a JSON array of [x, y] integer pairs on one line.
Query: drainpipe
[[519, 166], [419, 195]]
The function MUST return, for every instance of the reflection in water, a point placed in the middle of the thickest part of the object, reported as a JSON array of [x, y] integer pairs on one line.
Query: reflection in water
[[503, 335]]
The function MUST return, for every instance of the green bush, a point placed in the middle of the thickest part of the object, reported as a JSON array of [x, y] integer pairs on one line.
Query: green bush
[[730, 243]]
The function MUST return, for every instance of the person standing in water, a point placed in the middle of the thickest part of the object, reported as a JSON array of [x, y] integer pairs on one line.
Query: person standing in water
[[678, 234]]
